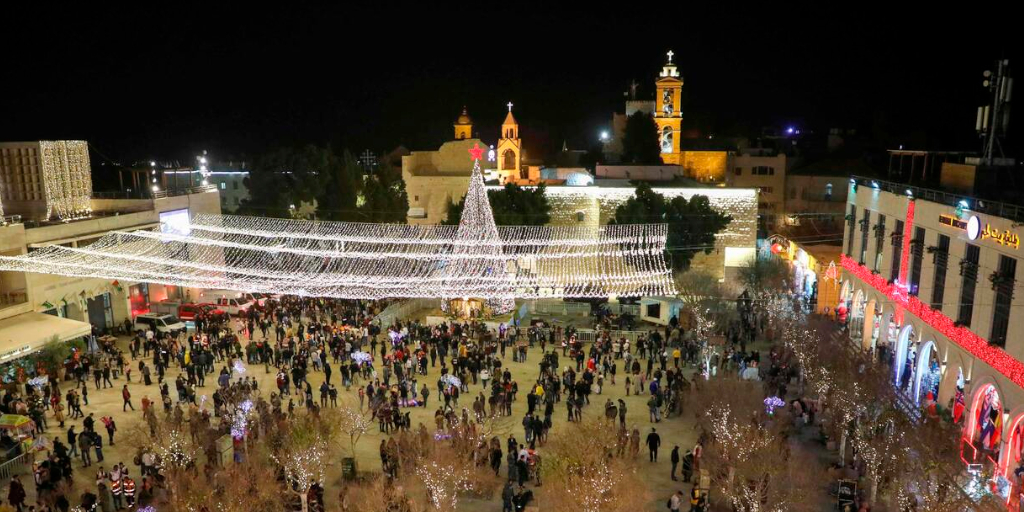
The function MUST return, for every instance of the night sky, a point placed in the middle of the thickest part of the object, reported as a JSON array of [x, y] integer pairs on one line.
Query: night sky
[[141, 83]]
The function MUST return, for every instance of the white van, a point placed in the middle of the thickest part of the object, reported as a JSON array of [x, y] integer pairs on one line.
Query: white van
[[230, 301], [159, 324]]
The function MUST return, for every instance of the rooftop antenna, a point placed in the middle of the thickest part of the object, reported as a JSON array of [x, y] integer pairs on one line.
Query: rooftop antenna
[[993, 121]]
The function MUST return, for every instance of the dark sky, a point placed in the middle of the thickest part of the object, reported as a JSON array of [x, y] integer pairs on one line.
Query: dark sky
[[143, 82]]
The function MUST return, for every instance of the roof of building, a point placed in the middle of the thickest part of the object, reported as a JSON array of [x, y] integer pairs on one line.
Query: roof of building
[[509, 119], [834, 166], [464, 118]]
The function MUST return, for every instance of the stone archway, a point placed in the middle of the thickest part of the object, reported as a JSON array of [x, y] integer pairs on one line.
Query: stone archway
[[927, 376], [983, 428], [901, 363]]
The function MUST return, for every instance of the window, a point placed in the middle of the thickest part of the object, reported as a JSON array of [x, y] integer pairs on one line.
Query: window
[[941, 260], [1003, 282], [766, 190], [828, 191], [916, 255], [792, 193], [234, 185], [738, 171], [415, 198], [508, 160], [879, 242], [524, 173], [851, 226], [762, 170], [223, 185], [897, 251], [864, 235], [969, 272]]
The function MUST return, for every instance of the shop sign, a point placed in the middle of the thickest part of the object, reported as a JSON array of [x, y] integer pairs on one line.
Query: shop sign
[[1004, 237]]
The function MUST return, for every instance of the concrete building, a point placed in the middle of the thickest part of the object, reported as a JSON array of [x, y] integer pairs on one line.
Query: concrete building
[[41, 180], [766, 173], [931, 284], [229, 182], [34, 307], [433, 179]]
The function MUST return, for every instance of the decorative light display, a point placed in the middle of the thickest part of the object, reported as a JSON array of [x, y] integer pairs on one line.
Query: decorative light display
[[375, 261], [238, 367], [977, 346], [67, 178], [361, 358], [444, 483], [451, 380], [771, 403], [240, 421]]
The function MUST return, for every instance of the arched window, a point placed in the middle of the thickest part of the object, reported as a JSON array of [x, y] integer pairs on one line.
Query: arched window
[[508, 160], [666, 139], [828, 191]]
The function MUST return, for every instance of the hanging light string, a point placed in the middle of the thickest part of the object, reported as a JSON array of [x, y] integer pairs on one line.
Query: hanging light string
[[374, 261]]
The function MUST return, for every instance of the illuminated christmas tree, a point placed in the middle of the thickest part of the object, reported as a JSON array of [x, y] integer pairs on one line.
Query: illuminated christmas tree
[[478, 263]]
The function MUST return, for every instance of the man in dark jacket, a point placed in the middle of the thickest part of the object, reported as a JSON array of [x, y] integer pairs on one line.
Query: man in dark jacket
[[653, 443]]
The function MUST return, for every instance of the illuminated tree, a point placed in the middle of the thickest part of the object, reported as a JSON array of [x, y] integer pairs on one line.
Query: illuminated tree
[[591, 479], [302, 452], [692, 224]]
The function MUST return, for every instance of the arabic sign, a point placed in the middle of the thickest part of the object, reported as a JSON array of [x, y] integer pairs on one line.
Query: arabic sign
[[1004, 237], [975, 230]]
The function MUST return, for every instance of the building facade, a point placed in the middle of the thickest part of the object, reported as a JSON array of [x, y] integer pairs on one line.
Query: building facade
[[767, 173], [931, 285], [40, 180], [34, 307], [668, 111]]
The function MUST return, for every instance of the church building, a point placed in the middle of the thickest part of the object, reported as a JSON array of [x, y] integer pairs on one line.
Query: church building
[[433, 179]]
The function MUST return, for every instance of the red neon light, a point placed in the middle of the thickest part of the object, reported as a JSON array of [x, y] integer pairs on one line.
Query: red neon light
[[976, 345], [905, 255]]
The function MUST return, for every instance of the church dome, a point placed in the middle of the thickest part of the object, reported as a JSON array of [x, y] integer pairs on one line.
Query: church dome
[[464, 118]]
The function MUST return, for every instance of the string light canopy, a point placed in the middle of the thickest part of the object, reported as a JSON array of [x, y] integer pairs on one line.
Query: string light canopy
[[373, 261]]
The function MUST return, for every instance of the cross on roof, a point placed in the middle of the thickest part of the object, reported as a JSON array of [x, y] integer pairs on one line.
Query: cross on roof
[[670, 54], [509, 106]]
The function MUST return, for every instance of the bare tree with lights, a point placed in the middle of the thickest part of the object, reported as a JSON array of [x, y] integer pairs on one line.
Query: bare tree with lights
[[590, 478], [303, 453]]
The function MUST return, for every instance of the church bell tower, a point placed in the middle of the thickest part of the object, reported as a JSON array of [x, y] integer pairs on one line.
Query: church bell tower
[[463, 126], [510, 148], [668, 113]]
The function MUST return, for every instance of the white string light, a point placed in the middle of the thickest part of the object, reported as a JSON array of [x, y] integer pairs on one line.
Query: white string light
[[67, 178], [374, 261]]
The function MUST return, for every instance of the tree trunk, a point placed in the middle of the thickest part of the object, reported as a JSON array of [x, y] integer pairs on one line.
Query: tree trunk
[[874, 488], [842, 449], [304, 498]]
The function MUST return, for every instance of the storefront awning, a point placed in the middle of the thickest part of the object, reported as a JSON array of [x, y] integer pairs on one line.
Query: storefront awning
[[25, 333]]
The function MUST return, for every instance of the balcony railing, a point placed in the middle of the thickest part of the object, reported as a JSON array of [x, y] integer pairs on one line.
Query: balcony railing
[[994, 208]]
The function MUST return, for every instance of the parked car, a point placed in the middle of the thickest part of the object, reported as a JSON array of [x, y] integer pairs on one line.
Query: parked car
[[159, 324], [188, 312]]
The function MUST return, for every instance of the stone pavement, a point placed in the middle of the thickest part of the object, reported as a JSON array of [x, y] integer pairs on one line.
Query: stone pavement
[[673, 431]]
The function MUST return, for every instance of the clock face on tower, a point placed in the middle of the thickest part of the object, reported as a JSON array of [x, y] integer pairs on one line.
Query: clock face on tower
[[666, 101]]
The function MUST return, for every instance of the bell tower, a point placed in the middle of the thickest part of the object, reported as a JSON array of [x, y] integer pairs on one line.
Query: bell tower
[[668, 113], [510, 147], [463, 126]]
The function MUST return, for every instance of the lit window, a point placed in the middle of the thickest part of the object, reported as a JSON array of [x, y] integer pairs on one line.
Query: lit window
[[223, 185]]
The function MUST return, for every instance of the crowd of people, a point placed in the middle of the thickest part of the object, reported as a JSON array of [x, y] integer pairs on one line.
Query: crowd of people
[[305, 342]]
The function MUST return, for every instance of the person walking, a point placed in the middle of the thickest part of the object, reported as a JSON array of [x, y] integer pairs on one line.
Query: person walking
[[653, 443], [127, 396], [16, 493], [688, 466], [675, 461], [84, 443], [73, 441], [675, 502]]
